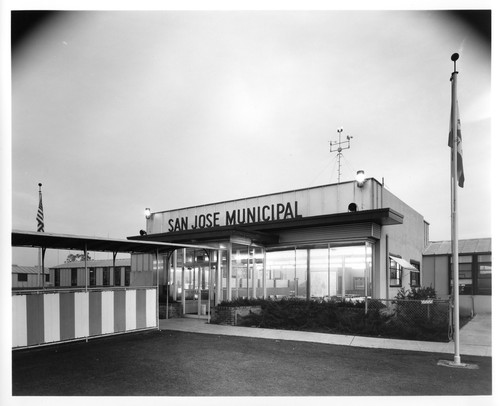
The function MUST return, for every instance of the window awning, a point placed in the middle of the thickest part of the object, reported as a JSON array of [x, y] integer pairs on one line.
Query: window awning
[[404, 263]]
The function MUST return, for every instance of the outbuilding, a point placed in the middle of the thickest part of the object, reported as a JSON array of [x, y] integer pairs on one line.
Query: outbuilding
[[474, 272], [26, 277]]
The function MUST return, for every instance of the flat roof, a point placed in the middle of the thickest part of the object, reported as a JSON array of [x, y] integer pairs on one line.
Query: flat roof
[[75, 242]]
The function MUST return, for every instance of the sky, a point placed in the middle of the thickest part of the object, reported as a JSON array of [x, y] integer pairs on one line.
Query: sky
[[116, 111]]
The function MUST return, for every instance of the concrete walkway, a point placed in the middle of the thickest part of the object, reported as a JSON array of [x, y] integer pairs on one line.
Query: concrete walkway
[[475, 336]]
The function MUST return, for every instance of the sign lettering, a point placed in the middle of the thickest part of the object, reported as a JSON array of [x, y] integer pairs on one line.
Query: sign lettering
[[249, 215]]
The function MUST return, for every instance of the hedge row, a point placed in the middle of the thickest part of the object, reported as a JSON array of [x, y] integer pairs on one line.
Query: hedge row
[[343, 317]]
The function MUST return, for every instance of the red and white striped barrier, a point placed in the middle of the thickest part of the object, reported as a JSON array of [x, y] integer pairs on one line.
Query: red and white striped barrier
[[51, 317]]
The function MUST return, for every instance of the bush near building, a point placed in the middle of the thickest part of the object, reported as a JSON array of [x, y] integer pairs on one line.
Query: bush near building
[[403, 319]]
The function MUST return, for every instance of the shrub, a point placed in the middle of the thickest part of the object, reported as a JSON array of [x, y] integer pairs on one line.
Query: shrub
[[345, 317], [239, 302], [420, 293]]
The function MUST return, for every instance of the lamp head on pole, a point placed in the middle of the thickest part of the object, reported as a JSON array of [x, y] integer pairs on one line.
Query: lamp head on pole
[[454, 58], [360, 178]]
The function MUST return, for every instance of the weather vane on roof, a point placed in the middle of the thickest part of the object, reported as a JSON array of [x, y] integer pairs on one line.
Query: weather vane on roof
[[336, 146]]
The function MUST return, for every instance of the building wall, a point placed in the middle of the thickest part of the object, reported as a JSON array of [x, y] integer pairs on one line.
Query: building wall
[[437, 275], [329, 199], [32, 282], [406, 240], [438, 280]]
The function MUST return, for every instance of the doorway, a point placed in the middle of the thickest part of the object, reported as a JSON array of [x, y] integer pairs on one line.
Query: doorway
[[196, 290], [198, 275]]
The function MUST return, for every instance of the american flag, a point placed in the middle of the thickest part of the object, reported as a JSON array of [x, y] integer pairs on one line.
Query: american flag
[[39, 215]]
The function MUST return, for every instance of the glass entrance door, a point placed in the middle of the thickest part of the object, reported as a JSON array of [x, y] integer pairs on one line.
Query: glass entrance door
[[198, 283], [196, 290]]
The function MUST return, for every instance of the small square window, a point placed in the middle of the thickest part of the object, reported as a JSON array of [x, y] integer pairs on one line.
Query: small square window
[[22, 277]]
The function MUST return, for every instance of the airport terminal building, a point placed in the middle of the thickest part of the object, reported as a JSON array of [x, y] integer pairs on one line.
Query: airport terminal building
[[346, 240], [351, 240]]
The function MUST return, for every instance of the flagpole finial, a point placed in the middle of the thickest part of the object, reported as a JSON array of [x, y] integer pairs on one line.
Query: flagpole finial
[[454, 58]]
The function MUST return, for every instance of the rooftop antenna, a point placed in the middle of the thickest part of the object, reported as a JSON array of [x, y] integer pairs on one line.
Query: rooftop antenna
[[337, 146]]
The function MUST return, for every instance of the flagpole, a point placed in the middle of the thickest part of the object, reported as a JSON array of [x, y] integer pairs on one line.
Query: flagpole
[[40, 273], [454, 211], [40, 229]]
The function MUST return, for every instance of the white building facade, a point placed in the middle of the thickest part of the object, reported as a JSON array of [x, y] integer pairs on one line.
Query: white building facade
[[344, 240]]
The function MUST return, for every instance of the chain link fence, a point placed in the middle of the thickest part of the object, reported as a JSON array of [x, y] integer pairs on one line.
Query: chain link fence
[[415, 319]]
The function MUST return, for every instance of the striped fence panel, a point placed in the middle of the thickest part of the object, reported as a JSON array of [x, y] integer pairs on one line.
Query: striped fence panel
[[51, 317]]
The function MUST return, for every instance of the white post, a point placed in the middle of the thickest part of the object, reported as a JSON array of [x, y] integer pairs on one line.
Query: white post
[[183, 291], [86, 268], [229, 270], [158, 291], [454, 219]]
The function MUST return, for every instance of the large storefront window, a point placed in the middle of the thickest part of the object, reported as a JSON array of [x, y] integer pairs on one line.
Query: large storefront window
[[350, 273], [247, 264], [320, 276], [200, 278], [341, 271], [280, 270]]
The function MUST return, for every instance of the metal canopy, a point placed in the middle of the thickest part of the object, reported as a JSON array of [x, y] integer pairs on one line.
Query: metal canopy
[[74, 242], [267, 232], [404, 263]]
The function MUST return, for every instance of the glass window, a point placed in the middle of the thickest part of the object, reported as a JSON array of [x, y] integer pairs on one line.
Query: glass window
[[465, 278], [484, 276], [415, 276], [359, 283], [465, 275], [463, 259], [350, 270], [301, 272], [74, 276], [105, 276], [484, 258], [319, 272], [335, 271], [280, 272], [395, 271], [257, 271], [240, 278], [22, 277], [92, 277], [117, 276]]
